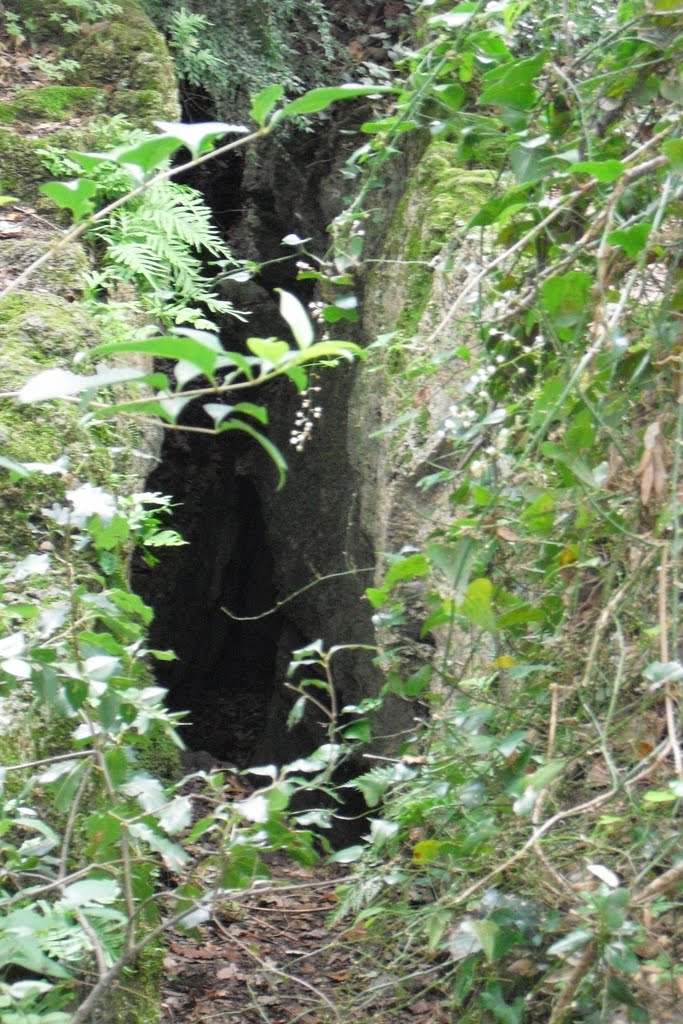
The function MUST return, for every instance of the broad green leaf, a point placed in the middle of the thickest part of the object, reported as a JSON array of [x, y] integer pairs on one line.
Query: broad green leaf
[[451, 94], [147, 155], [329, 350], [510, 85], [454, 561], [491, 211], [269, 350], [264, 102], [199, 138], [527, 159], [176, 815], [477, 605], [593, 477], [566, 298], [72, 195], [456, 18], [348, 855], [59, 383], [426, 851], [539, 779], [88, 891], [673, 148], [487, 932], [632, 240], [200, 354], [320, 99], [297, 319], [406, 568], [255, 411], [605, 171]]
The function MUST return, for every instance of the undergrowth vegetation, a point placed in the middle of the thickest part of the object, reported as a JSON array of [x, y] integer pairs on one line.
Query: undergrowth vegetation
[[532, 838], [525, 843]]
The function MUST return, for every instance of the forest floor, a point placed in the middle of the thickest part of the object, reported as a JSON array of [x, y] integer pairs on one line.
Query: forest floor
[[274, 958]]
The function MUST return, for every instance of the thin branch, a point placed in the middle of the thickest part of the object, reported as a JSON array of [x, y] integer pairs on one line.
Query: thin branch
[[78, 230]]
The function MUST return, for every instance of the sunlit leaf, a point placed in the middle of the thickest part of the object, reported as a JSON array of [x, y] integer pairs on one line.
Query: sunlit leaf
[[477, 605], [199, 137], [320, 99], [264, 102], [605, 171], [632, 239], [566, 297], [297, 319], [74, 195]]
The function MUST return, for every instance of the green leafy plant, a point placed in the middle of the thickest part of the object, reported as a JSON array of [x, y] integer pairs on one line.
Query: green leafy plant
[[550, 577], [84, 829]]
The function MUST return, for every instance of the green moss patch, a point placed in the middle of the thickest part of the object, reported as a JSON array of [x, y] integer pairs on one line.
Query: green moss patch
[[21, 162], [57, 102], [63, 276]]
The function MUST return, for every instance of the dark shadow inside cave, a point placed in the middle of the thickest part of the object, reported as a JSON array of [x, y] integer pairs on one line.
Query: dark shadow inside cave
[[224, 675], [250, 546]]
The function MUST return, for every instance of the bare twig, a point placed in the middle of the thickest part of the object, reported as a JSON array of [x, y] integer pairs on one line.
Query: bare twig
[[670, 693]]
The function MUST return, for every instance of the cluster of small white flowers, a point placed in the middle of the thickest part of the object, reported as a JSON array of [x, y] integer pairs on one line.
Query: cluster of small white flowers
[[305, 419], [316, 309], [303, 265]]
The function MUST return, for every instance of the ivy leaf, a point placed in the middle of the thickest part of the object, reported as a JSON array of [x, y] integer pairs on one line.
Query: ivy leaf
[[199, 138], [315, 100], [264, 101], [477, 605], [605, 171], [632, 240], [269, 350], [297, 319], [566, 297], [72, 195]]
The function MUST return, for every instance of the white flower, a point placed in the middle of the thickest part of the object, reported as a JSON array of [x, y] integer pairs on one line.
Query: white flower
[[92, 501]]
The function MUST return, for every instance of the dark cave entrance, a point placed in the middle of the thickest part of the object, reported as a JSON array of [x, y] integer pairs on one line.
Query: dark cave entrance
[[250, 546], [225, 672]]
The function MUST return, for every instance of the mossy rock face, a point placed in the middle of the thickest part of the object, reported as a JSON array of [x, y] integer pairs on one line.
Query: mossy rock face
[[56, 102], [128, 53], [439, 199], [123, 65], [40, 330], [63, 276], [21, 163]]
